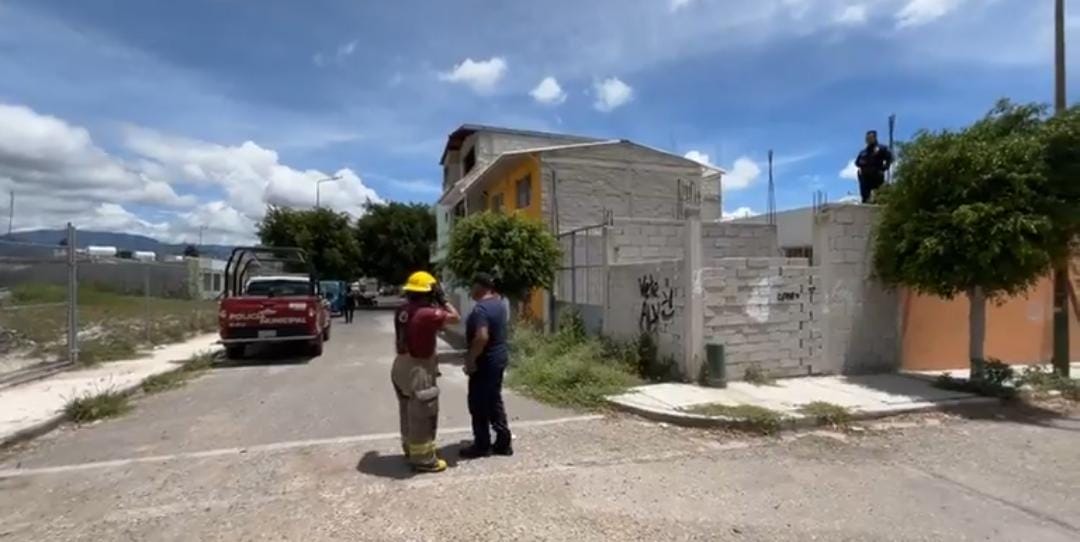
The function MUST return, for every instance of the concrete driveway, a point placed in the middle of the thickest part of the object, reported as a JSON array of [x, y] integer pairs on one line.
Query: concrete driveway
[[308, 452]]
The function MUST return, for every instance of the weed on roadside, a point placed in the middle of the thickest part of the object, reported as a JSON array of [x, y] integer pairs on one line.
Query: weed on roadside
[[178, 377], [103, 405], [1044, 381], [984, 387], [757, 376], [827, 414], [568, 369], [747, 417]]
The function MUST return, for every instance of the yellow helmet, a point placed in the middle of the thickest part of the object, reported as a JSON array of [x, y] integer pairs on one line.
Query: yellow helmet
[[420, 282]]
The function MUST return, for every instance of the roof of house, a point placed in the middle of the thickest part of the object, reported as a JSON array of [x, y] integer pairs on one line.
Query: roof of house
[[507, 159], [457, 137]]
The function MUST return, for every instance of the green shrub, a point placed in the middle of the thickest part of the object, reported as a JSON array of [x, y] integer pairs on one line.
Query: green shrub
[[747, 417], [757, 376], [997, 373], [89, 408], [567, 369], [1043, 381], [978, 387], [825, 413]]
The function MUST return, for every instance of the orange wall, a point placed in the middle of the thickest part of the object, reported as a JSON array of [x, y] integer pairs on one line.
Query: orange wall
[[935, 330], [507, 187]]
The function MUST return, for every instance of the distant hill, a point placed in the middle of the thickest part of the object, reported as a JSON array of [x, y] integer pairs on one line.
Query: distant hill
[[122, 241]]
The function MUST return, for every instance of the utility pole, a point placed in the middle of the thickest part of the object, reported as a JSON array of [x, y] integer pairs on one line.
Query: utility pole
[[11, 214], [318, 184], [892, 130], [201, 230], [1061, 269], [770, 205]]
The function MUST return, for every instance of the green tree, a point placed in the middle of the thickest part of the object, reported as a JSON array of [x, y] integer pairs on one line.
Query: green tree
[[1063, 167], [191, 251], [324, 234], [968, 214], [519, 252], [395, 240]]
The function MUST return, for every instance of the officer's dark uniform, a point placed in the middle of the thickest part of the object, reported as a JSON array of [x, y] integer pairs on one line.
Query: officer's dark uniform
[[485, 383], [873, 161]]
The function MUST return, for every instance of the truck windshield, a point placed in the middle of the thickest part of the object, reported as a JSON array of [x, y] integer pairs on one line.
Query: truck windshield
[[278, 288]]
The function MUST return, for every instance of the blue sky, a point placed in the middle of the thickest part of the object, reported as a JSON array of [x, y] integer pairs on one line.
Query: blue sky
[[165, 117]]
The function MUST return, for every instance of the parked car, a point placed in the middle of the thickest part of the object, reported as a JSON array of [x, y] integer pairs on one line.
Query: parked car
[[334, 292], [287, 308]]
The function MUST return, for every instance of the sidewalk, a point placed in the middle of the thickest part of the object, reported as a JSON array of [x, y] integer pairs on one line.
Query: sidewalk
[[1074, 371], [33, 408], [870, 396]]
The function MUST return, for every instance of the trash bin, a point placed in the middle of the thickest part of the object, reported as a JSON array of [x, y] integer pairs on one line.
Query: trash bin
[[714, 359]]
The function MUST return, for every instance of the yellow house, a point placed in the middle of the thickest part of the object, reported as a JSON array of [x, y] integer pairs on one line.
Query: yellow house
[[563, 181]]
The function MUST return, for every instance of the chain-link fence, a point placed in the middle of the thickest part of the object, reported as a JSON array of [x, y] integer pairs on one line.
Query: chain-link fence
[[62, 306]]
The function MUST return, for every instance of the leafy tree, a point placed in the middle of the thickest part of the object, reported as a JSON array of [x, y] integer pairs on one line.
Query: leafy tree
[[968, 214], [324, 234], [1062, 139], [395, 240], [191, 251], [519, 252]]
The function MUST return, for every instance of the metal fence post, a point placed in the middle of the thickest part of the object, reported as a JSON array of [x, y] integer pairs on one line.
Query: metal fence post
[[73, 297], [573, 269], [146, 301]]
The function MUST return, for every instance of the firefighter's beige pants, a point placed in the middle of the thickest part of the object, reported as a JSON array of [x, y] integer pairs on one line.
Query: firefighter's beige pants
[[418, 406]]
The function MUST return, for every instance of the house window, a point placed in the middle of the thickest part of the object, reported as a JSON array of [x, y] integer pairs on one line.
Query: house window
[[497, 203], [524, 192], [206, 282], [217, 282], [470, 160]]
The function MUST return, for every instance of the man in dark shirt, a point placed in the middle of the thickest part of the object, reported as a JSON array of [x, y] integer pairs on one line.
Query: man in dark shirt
[[486, 333], [873, 161]]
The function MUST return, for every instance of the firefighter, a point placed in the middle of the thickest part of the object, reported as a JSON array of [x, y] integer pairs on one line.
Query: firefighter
[[415, 368]]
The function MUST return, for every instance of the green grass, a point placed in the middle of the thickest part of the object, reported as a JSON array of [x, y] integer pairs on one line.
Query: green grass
[[568, 369], [748, 417], [177, 378], [111, 325], [825, 413], [90, 408]]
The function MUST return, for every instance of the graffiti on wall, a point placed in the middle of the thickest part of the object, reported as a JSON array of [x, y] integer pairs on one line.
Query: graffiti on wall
[[657, 304]]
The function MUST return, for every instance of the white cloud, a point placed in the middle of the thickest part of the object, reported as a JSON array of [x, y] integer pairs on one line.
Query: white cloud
[[250, 176], [742, 174], [919, 12], [59, 175], [345, 50], [548, 92], [44, 156], [850, 172], [853, 15], [481, 76], [676, 5], [698, 157], [741, 212], [612, 93]]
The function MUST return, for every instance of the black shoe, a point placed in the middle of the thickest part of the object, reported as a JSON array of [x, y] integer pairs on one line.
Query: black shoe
[[507, 450], [472, 452]]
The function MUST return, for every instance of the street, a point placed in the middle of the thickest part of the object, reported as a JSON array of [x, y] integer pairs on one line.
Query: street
[[277, 450]]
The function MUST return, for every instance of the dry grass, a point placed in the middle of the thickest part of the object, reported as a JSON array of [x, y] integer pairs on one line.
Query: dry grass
[[111, 326]]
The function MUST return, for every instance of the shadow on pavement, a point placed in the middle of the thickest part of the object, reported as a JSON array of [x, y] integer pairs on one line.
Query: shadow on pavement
[[396, 467], [1019, 411], [276, 354]]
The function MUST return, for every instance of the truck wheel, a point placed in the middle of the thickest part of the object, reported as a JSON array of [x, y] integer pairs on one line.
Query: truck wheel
[[316, 347], [235, 351]]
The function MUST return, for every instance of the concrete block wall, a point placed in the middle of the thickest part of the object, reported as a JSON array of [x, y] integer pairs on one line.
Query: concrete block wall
[[860, 318], [735, 240], [638, 240], [651, 299], [764, 311]]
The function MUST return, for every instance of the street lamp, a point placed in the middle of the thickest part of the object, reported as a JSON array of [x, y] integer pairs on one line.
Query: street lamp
[[319, 182]]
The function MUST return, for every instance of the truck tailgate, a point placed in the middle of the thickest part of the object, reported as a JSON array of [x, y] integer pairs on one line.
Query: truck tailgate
[[268, 318]]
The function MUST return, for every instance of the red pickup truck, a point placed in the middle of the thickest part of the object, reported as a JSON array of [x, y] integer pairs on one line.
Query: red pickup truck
[[277, 308]]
